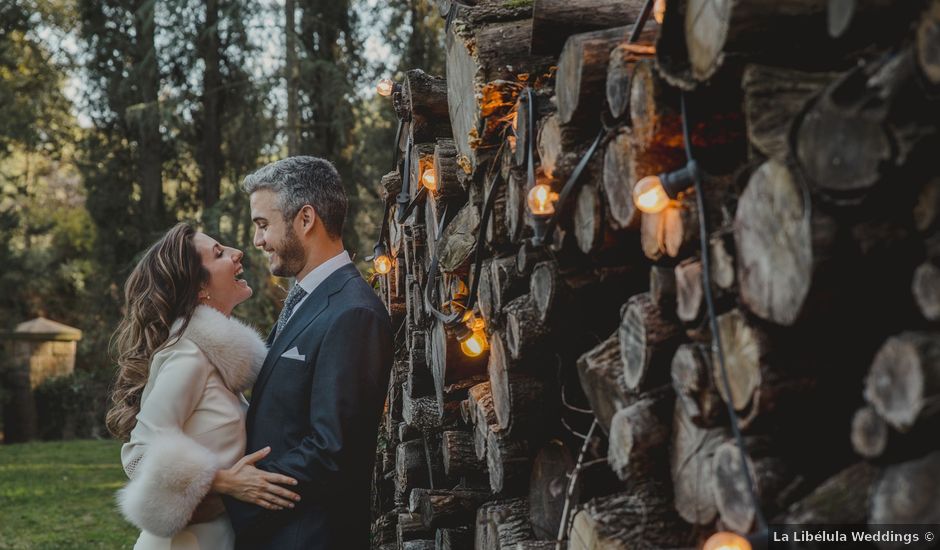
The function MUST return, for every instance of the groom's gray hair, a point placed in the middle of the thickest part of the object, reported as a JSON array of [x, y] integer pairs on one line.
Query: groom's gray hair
[[299, 181]]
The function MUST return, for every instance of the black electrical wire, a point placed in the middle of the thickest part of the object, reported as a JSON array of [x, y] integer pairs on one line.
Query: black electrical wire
[[401, 125], [713, 321], [641, 21]]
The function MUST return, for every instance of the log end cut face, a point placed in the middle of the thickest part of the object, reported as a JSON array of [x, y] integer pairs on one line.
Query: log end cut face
[[908, 493], [706, 31], [900, 382], [775, 255], [741, 346]]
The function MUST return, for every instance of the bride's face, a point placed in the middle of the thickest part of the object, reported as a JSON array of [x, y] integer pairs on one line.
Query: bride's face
[[225, 289]]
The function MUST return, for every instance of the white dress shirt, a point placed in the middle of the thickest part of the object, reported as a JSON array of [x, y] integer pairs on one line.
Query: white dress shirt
[[318, 275]]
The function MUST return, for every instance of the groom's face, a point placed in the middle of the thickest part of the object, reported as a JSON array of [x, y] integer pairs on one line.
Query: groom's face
[[275, 236]]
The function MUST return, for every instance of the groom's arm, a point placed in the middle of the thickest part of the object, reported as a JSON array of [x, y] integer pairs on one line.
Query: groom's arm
[[347, 386]]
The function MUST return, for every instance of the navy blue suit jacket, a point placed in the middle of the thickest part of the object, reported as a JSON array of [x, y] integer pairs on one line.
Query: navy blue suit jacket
[[320, 415]]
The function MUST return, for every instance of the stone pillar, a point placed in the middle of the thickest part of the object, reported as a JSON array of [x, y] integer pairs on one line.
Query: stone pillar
[[36, 350]]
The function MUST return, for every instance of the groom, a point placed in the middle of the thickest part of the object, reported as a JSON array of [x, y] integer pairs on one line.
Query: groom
[[321, 390]]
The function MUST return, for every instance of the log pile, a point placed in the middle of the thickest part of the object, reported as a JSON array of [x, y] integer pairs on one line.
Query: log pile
[[570, 389]]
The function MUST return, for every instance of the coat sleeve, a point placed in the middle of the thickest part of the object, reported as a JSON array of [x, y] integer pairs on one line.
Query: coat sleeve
[[348, 382], [170, 472]]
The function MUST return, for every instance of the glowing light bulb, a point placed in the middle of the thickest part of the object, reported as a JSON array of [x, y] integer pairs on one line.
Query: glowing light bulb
[[649, 195], [659, 11], [429, 179], [541, 200], [474, 346], [382, 264], [726, 540], [385, 87]]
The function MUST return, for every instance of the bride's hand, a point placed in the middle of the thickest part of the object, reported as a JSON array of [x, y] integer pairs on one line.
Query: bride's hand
[[247, 483]]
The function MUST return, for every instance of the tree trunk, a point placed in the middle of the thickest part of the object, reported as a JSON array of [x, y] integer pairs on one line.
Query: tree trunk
[[147, 120], [291, 79], [211, 146]]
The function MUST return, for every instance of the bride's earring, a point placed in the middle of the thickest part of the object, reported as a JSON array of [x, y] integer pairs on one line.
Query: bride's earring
[[206, 298]]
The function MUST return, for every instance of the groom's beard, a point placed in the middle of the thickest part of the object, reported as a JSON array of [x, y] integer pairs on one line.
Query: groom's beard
[[291, 255]]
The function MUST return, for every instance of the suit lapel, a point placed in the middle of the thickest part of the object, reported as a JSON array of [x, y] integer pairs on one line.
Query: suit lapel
[[307, 312]]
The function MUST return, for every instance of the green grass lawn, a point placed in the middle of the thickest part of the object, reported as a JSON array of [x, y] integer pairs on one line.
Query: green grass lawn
[[60, 495]]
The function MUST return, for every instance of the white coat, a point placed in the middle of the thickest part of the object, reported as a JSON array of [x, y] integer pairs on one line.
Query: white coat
[[191, 424]]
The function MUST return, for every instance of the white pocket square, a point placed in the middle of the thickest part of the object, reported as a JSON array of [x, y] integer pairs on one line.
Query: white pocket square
[[293, 354]]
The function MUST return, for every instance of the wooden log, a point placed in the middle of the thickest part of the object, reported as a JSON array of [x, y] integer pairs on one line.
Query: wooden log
[[903, 384], [548, 488], [426, 99], [446, 173], [553, 21], [524, 333], [424, 413], [690, 295], [691, 466], [411, 529], [549, 292], [506, 284], [695, 386], [519, 399], [841, 499], [536, 545], [773, 97], [509, 463], [502, 523], [681, 227], [542, 107], [419, 382], [626, 161], [420, 544], [555, 140], [732, 496], [721, 245], [869, 433], [873, 110], [455, 538], [448, 363], [779, 248], [459, 455], [458, 241], [639, 436], [621, 519], [478, 56], [483, 416], [497, 232], [582, 72], [879, 443], [390, 186], [590, 224], [516, 189], [927, 46], [663, 287], [620, 72], [385, 529], [648, 339], [908, 493], [600, 371], [407, 432], [926, 290], [411, 468], [447, 508]]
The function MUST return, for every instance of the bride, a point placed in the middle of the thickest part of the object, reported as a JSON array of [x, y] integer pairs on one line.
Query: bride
[[183, 362]]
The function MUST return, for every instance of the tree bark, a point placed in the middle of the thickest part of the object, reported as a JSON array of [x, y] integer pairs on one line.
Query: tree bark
[[620, 520], [508, 462], [525, 334], [841, 499], [582, 72], [447, 508], [553, 21], [502, 523], [425, 98], [459, 454]]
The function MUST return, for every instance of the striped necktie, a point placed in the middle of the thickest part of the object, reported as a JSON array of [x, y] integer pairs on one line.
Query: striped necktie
[[294, 296]]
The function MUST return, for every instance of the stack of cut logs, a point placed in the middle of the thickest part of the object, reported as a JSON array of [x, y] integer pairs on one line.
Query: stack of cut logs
[[597, 416]]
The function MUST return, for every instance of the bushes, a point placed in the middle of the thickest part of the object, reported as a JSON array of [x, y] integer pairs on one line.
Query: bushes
[[73, 406]]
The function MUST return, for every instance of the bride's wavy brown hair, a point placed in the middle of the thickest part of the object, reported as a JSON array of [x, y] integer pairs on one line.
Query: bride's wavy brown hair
[[163, 287]]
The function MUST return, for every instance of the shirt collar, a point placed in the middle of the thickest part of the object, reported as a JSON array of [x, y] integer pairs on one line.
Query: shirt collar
[[324, 270]]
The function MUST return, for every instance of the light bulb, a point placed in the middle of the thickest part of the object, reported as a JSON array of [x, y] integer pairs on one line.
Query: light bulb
[[541, 200], [429, 179], [385, 87], [726, 540], [383, 264], [649, 195], [474, 345], [659, 11]]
